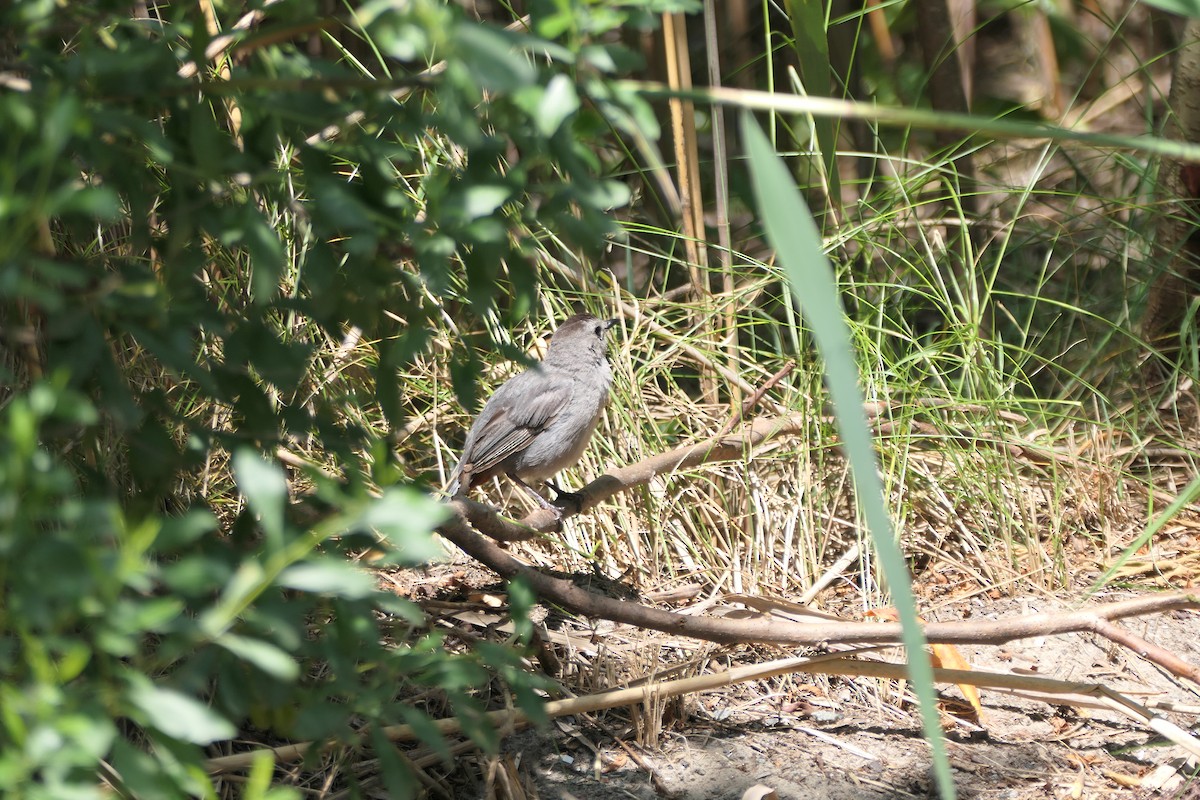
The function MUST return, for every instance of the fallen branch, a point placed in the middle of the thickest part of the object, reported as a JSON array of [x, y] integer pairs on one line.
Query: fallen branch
[[1147, 650], [776, 631], [507, 720], [755, 398], [469, 517]]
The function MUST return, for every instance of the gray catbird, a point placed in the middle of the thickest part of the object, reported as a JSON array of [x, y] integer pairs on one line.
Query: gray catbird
[[540, 421]]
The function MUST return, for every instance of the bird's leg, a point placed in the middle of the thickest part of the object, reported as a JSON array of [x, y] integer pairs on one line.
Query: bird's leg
[[575, 498], [541, 501]]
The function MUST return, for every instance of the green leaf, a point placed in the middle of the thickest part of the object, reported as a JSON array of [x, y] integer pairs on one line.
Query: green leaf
[[176, 714], [91, 736], [267, 258], [156, 615], [196, 575], [100, 202], [521, 600], [320, 719], [811, 45], [599, 58], [394, 34], [398, 780], [506, 660], [264, 655], [605, 194], [477, 200], [1187, 8], [793, 232], [178, 531], [256, 342], [241, 590], [205, 139], [494, 58], [426, 730], [400, 608], [551, 20], [258, 782], [265, 489], [406, 518], [1181, 501], [551, 105], [140, 774], [75, 656], [626, 108], [330, 577]]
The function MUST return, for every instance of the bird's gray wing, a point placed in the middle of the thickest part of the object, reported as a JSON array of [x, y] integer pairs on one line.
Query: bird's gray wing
[[512, 418]]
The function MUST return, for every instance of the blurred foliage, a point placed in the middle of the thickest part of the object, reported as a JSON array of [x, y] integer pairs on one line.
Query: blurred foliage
[[178, 248]]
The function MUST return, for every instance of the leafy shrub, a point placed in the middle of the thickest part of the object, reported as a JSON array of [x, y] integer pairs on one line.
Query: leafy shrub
[[179, 246]]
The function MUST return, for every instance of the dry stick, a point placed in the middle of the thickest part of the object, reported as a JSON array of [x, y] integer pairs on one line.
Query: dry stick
[[467, 513], [712, 51], [513, 720], [775, 631], [507, 720], [719, 448], [1053, 691], [832, 574], [1147, 650], [687, 168], [683, 128], [754, 399], [730, 299], [880, 35]]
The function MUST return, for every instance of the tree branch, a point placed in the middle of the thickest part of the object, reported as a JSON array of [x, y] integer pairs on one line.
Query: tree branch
[[467, 514], [719, 448], [783, 632]]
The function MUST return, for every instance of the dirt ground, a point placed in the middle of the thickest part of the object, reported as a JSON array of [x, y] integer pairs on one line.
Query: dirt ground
[[844, 749], [816, 738]]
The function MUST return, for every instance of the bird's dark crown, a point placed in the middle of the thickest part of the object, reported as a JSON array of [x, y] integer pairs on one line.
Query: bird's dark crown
[[583, 322]]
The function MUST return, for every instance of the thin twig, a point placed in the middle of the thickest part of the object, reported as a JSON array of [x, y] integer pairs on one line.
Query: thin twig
[[1147, 650], [758, 395], [507, 720]]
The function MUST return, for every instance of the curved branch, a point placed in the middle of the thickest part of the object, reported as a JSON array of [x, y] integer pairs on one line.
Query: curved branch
[[467, 514], [718, 448], [776, 631], [721, 447]]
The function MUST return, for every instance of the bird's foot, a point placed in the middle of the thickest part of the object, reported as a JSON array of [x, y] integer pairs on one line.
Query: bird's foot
[[557, 511], [574, 499]]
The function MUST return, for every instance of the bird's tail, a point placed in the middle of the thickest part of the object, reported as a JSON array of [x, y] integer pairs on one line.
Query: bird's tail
[[455, 484]]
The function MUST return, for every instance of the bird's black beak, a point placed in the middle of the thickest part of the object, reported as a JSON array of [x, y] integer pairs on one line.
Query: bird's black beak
[[609, 323]]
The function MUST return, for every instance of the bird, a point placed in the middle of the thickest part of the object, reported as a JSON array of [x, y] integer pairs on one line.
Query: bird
[[540, 421]]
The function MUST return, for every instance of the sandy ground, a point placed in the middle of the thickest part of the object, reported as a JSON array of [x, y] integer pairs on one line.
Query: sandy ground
[[844, 739]]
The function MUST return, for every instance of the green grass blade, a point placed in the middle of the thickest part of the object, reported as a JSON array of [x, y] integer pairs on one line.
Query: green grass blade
[[809, 41], [793, 232], [916, 117]]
